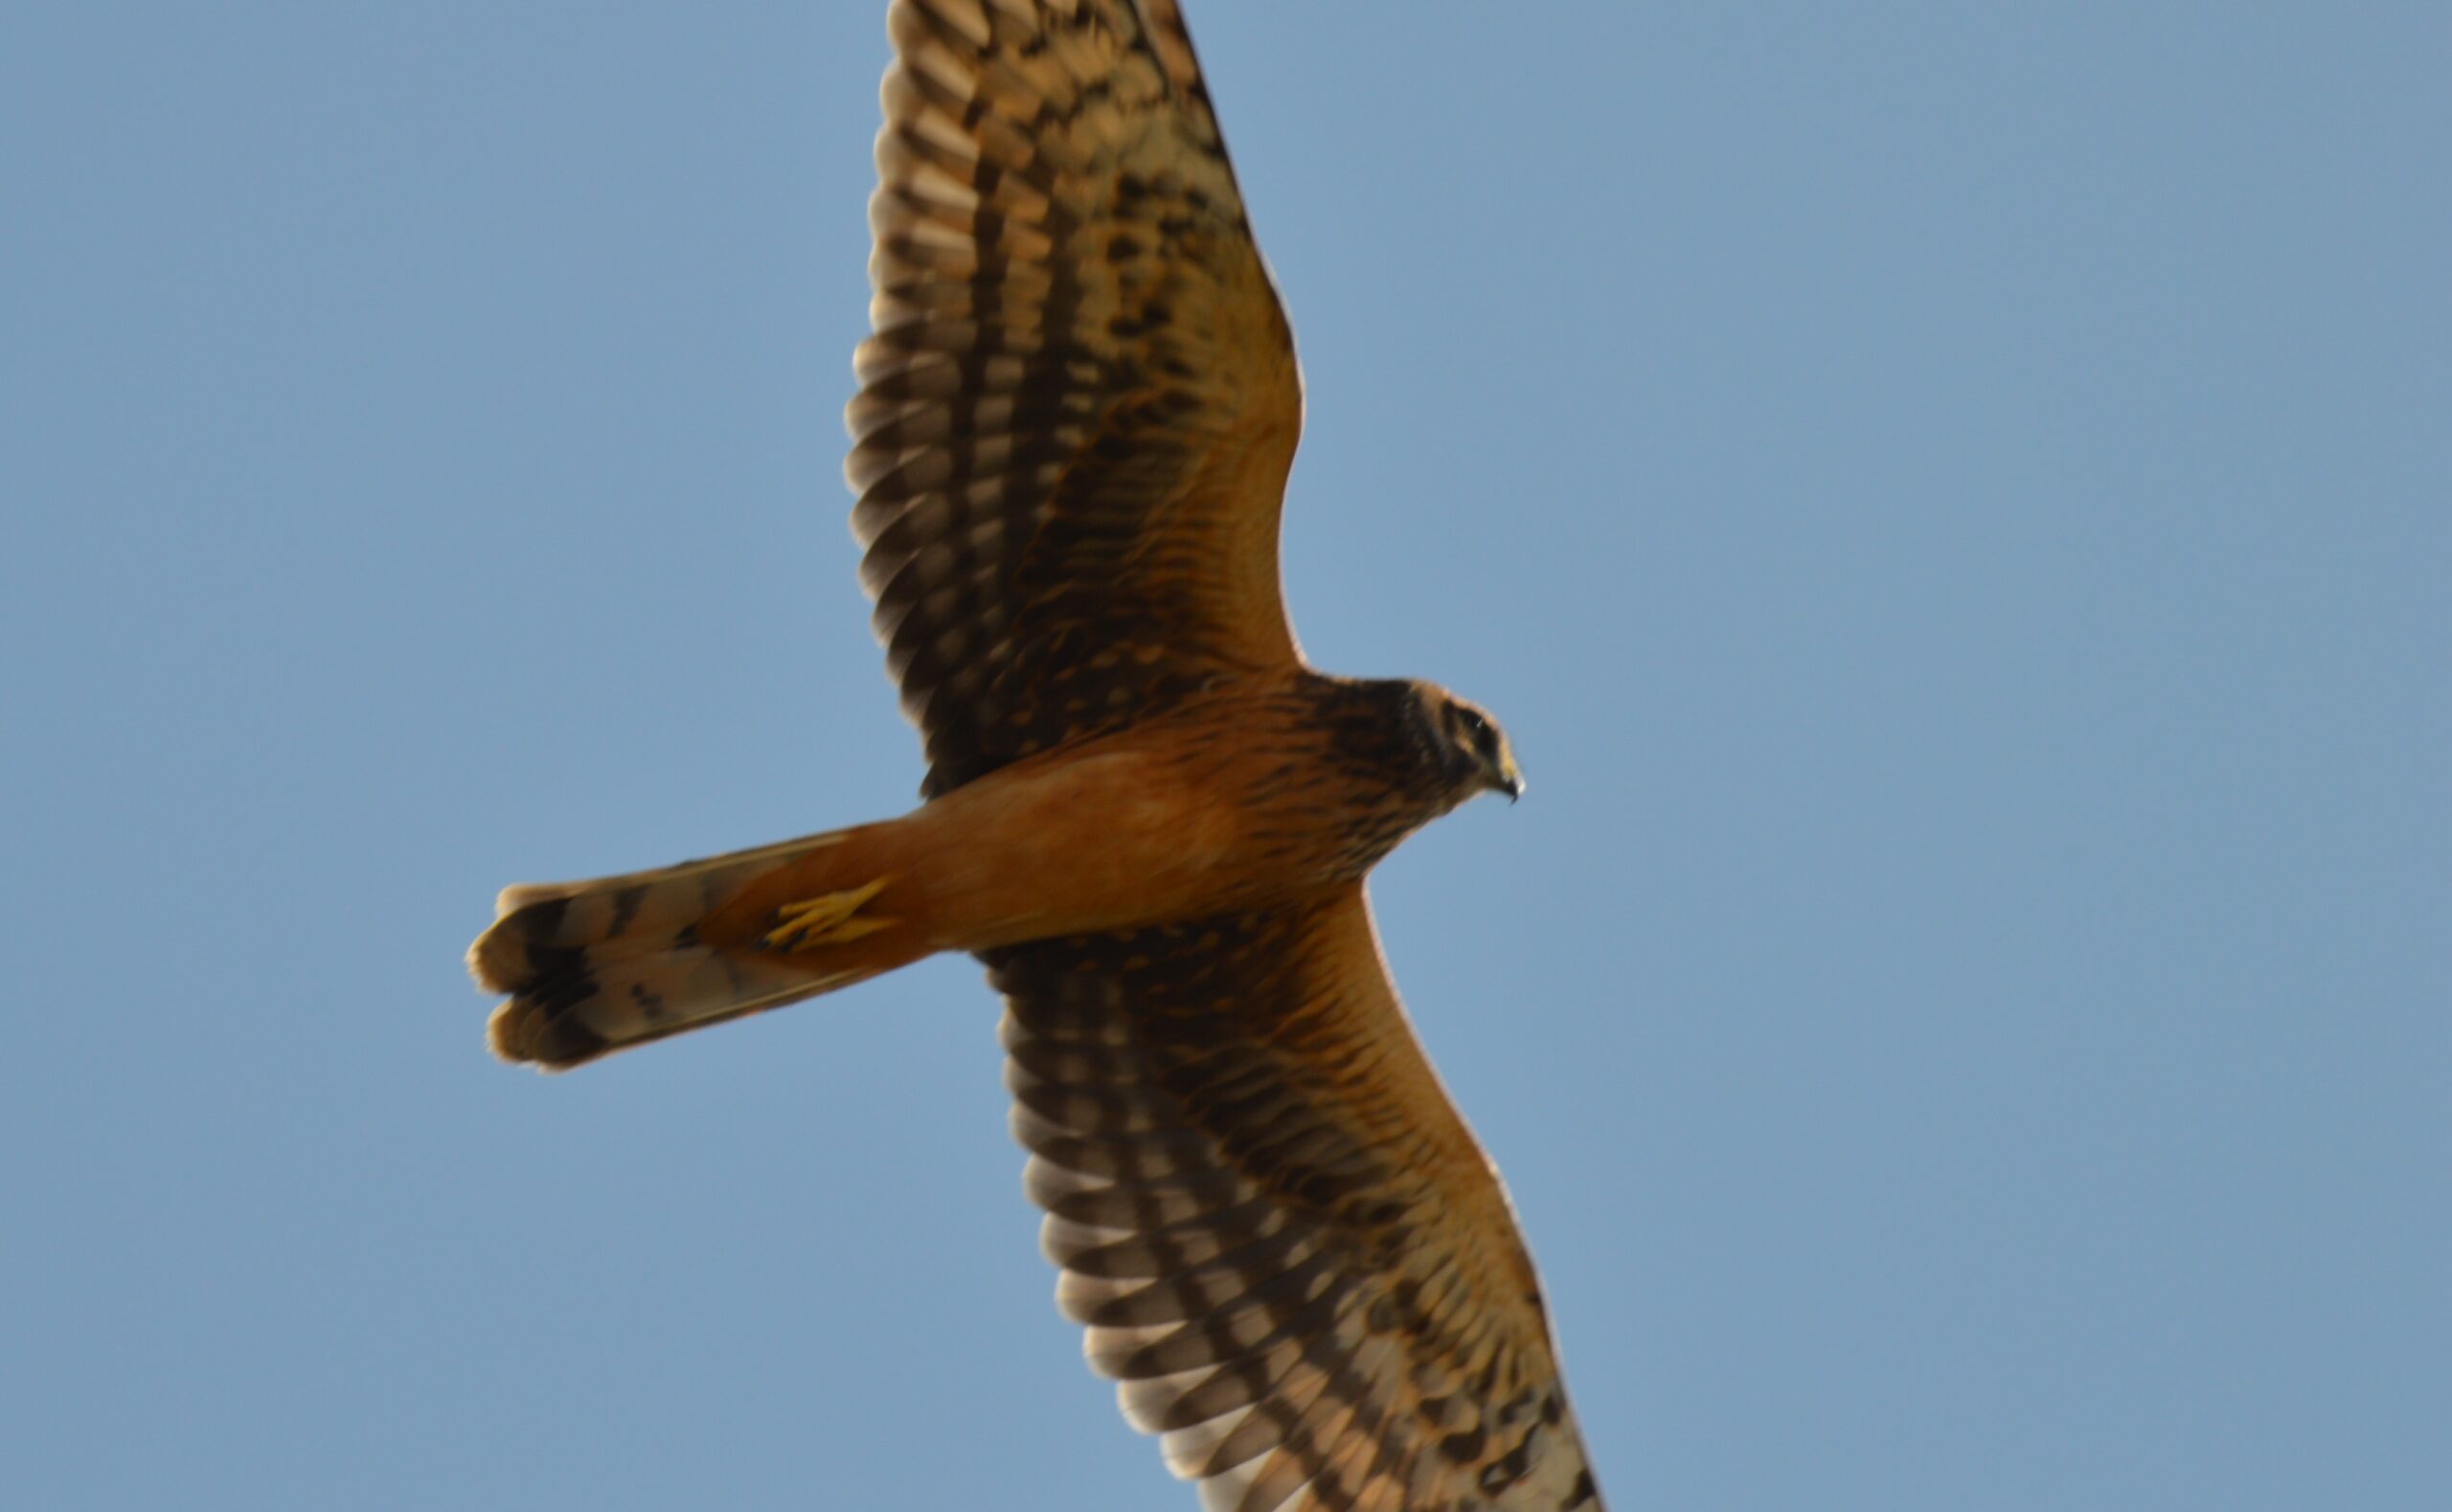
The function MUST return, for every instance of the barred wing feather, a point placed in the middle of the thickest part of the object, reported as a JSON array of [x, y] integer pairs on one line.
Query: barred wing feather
[[1080, 402], [1287, 1248]]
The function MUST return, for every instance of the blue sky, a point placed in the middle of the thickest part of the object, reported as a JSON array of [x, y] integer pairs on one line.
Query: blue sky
[[1949, 501]]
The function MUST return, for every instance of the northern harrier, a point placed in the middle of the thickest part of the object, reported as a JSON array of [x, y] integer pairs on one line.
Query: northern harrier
[[1144, 811]]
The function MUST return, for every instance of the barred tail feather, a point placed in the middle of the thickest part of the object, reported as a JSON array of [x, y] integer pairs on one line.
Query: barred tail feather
[[598, 966]]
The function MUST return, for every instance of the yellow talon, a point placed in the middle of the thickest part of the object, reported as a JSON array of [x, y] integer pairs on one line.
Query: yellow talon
[[826, 920]]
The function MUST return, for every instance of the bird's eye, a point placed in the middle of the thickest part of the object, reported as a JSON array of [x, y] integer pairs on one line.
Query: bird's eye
[[1477, 728]]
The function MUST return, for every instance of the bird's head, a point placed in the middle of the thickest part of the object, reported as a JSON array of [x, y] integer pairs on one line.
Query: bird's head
[[1470, 746]]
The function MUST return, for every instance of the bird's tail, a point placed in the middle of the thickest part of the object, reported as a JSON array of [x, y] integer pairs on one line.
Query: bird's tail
[[594, 967]]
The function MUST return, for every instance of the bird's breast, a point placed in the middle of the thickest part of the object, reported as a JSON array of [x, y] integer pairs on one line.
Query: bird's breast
[[1224, 811]]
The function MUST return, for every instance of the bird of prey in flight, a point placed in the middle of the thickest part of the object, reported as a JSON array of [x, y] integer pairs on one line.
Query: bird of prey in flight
[[1144, 810]]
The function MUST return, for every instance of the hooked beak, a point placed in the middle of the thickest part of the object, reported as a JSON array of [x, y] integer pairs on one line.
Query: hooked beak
[[1511, 780]]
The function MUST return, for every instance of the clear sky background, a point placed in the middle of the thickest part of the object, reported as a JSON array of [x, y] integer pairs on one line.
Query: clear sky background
[[1950, 501]]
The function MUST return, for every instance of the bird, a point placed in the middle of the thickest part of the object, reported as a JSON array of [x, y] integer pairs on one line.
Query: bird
[[1145, 811]]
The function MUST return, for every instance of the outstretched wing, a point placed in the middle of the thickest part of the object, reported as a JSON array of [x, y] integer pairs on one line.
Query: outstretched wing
[[1080, 402], [1287, 1247]]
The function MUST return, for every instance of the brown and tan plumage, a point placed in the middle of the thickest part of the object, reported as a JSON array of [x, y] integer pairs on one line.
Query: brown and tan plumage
[[1145, 812]]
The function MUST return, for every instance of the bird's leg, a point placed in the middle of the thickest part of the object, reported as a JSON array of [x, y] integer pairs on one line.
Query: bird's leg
[[830, 919]]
